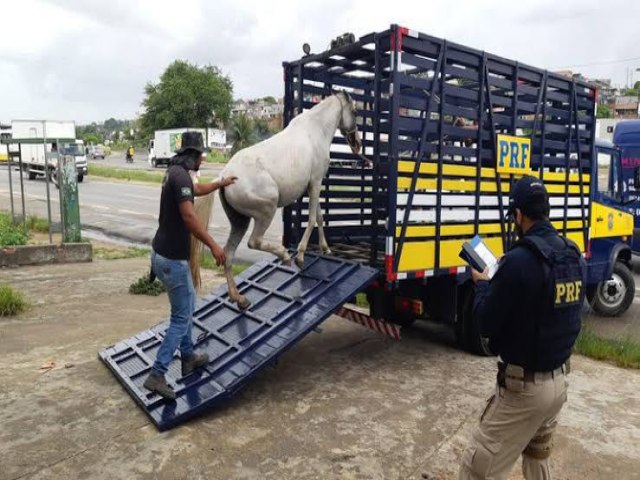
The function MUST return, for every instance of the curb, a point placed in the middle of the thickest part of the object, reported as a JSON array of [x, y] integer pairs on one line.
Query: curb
[[45, 254]]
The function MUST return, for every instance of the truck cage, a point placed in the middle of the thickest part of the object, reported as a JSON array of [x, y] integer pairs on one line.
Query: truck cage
[[429, 113]]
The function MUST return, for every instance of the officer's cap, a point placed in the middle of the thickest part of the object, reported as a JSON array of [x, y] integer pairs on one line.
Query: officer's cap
[[530, 196]]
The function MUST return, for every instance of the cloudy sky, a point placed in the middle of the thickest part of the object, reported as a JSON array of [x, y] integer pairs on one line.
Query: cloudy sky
[[88, 60]]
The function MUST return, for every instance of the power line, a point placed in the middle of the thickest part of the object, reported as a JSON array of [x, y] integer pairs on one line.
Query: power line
[[603, 62]]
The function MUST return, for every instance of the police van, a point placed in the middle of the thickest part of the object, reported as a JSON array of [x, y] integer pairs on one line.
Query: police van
[[449, 129]]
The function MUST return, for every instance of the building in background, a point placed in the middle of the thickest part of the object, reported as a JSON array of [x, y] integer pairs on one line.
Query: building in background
[[625, 107]]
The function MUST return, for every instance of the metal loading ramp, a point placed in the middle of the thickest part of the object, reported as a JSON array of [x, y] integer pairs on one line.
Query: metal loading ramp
[[286, 304]]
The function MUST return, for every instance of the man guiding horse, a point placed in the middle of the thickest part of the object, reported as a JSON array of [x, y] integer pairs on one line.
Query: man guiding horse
[[170, 258]]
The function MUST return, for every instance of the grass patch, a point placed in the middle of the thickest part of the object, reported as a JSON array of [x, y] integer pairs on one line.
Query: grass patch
[[133, 175], [143, 286], [37, 224], [125, 174], [11, 301], [623, 352], [10, 234], [107, 253], [217, 157]]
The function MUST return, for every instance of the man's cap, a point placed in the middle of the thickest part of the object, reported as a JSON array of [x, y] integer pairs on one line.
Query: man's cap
[[530, 196], [191, 141]]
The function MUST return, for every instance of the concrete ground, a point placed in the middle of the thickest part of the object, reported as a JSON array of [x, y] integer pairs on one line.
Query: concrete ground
[[343, 404]]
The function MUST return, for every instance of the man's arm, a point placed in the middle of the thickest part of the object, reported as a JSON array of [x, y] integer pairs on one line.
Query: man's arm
[[495, 301], [190, 218], [200, 189]]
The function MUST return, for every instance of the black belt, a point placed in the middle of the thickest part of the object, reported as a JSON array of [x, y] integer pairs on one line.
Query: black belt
[[508, 370]]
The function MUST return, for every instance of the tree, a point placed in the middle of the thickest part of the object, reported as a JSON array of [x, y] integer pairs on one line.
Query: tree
[[636, 86], [270, 100], [603, 111], [187, 96], [631, 92], [243, 132], [89, 134]]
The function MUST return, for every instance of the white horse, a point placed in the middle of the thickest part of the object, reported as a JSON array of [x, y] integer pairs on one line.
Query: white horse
[[277, 172]]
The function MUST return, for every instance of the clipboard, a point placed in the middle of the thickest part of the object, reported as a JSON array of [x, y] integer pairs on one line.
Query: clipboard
[[477, 254]]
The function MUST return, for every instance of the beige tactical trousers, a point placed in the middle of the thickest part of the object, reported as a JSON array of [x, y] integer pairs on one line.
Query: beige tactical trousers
[[519, 419]]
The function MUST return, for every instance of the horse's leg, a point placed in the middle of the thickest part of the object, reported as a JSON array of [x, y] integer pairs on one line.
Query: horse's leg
[[314, 196], [257, 242], [238, 229], [324, 246]]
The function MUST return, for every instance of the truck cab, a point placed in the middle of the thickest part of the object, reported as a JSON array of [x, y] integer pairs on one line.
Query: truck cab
[[626, 137], [78, 151], [610, 278]]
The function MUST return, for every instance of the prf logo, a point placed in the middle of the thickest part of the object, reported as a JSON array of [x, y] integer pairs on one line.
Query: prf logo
[[513, 154], [568, 293]]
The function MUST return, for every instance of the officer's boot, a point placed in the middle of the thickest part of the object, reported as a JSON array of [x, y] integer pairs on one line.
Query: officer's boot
[[157, 383], [195, 360]]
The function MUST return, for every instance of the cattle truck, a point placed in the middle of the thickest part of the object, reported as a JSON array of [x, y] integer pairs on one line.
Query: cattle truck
[[449, 129]]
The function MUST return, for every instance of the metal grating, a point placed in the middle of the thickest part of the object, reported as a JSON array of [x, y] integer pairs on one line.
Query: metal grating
[[286, 305]]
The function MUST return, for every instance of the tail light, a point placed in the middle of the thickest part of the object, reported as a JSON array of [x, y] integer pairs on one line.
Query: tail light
[[409, 305]]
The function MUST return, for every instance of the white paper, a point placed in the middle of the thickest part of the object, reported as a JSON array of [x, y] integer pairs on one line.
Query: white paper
[[487, 257]]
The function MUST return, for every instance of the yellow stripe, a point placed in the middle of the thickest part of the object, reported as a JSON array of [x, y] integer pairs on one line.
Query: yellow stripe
[[467, 230], [404, 183], [431, 168], [418, 256], [610, 222]]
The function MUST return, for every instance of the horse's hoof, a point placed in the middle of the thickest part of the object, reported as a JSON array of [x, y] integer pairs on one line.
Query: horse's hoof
[[300, 262], [243, 303], [326, 251], [286, 262]]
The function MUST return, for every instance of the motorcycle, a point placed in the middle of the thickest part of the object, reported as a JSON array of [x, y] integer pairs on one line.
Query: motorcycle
[[129, 158]]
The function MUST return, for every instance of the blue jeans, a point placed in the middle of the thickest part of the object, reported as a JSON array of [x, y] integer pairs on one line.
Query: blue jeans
[[176, 276]]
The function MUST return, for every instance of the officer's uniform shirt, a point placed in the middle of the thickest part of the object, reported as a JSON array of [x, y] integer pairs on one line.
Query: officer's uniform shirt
[[508, 307]]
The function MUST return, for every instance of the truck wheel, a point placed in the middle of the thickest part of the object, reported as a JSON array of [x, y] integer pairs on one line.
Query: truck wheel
[[80, 178], [467, 329], [611, 298], [32, 175]]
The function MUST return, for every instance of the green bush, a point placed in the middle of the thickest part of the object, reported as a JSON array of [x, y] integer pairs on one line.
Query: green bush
[[11, 301], [11, 234], [143, 286]]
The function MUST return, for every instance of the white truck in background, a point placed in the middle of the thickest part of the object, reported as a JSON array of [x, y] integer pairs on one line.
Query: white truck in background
[[166, 143], [39, 159]]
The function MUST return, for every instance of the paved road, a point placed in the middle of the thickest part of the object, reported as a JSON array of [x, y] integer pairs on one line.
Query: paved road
[[127, 211]]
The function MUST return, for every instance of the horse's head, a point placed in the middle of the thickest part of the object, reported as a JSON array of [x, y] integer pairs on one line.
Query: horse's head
[[347, 125]]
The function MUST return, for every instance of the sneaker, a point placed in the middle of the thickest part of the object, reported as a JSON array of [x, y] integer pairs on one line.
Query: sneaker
[[157, 383], [195, 360]]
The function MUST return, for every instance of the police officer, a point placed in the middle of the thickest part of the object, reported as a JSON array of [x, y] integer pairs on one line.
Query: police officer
[[530, 314]]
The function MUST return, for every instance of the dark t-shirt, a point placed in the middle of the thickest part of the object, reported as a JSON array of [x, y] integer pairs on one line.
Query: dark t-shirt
[[173, 239]]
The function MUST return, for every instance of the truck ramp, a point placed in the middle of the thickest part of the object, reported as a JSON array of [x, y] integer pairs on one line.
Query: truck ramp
[[286, 304]]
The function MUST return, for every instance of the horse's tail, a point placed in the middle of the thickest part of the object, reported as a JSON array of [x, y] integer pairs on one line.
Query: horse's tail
[[237, 219]]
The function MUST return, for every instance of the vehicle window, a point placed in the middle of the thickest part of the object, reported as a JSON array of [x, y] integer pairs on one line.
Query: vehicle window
[[608, 175]]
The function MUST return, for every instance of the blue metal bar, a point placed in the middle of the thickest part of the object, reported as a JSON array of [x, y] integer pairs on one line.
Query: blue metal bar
[[481, 120], [494, 142], [442, 63], [567, 159], [419, 154], [585, 220]]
